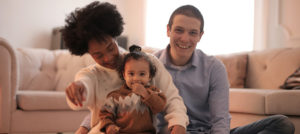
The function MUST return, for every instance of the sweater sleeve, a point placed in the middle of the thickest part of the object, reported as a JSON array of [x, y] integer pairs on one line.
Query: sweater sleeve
[[87, 78], [156, 100], [175, 110], [107, 114]]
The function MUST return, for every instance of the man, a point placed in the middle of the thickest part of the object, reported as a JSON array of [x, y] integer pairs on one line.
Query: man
[[202, 80], [92, 30]]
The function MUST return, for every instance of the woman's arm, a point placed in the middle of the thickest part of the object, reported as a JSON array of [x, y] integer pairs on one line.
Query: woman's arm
[[175, 110], [80, 93]]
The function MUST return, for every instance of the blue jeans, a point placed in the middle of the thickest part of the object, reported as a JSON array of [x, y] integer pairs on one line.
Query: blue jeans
[[276, 124]]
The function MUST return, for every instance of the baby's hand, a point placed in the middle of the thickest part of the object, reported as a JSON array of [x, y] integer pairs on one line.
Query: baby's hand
[[139, 89], [112, 129]]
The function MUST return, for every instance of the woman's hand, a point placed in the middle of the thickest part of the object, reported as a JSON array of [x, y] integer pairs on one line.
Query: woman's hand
[[75, 93], [178, 130], [112, 129]]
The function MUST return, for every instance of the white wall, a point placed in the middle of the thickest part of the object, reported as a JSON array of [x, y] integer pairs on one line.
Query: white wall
[[277, 24], [135, 22], [225, 29], [29, 23]]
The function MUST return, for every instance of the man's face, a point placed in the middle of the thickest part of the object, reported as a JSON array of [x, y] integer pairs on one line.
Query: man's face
[[105, 53], [136, 71], [184, 35]]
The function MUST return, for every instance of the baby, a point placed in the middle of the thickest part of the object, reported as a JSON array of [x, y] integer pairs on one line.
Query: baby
[[131, 108]]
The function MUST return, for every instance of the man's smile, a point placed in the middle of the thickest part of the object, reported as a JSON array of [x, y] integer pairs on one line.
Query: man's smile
[[183, 46]]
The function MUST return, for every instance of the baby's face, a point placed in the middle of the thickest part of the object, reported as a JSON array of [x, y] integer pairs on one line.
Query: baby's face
[[136, 71]]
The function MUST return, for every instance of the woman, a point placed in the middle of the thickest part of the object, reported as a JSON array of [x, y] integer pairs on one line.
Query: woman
[[92, 29]]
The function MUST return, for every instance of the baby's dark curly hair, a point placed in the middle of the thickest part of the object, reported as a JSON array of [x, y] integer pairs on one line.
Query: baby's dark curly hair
[[94, 21], [136, 53]]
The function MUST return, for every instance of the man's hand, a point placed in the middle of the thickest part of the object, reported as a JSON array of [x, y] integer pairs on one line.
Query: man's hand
[[82, 130], [112, 129], [178, 130], [75, 93], [139, 89]]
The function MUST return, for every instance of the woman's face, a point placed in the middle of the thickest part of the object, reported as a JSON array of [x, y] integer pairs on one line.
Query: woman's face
[[105, 53]]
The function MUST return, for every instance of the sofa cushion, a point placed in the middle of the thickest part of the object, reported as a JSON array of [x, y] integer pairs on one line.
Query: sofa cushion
[[67, 66], [42, 100], [236, 68], [257, 101], [268, 69], [285, 102], [36, 66], [247, 100], [55, 69]]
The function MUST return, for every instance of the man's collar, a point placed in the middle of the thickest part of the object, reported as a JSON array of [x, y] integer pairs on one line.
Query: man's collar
[[166, 58], [195, 59], [163, 56]]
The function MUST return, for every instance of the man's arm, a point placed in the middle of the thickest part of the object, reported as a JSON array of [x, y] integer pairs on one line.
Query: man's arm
[[219, 99]]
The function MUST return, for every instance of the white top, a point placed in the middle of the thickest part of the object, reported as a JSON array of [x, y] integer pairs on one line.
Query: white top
[[99, 81]]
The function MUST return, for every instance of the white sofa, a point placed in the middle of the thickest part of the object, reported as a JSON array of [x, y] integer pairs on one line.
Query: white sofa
[[32, 83], [33, 80], [260, 95]]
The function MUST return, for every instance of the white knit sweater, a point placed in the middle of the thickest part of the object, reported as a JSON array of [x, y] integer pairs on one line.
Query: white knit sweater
[[99, 81]]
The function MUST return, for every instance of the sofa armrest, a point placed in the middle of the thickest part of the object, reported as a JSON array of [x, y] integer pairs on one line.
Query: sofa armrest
[[8, 84]]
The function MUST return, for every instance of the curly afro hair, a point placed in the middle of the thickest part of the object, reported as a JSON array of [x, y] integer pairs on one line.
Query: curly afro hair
[[95, 21]]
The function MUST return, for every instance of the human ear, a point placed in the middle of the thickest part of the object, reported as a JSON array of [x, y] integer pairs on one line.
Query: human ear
[[168, 30], [200, 35], [123, 73]]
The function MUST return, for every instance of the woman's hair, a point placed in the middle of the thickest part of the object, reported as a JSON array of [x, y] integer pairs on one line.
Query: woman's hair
[[136, 54], [94, 21], [190, 11]]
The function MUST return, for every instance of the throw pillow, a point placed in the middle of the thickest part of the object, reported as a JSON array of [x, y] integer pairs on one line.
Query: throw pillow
[[293, 81]]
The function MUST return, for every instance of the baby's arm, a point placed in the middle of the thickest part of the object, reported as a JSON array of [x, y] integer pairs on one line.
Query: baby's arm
[[156, 100], [151, 96], [107, 116]]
